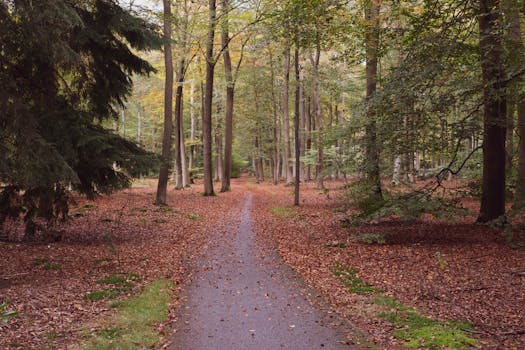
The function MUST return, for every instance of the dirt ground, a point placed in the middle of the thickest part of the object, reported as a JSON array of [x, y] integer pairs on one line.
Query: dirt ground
[[475, 277]]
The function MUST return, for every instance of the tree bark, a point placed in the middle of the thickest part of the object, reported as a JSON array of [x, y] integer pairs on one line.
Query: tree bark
[[494, 116], [296, 128], [318, 115], [178, 123], [228, 127], [372, 147], [208, 100], [168, 101], [286, 117]]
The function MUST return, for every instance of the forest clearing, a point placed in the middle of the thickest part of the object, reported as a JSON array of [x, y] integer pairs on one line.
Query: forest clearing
[[262, 174]]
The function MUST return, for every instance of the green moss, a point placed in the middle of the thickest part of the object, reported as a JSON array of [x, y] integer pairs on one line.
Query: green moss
[[194, 217], [423, 332], [283, 212], [102, 294], [40, 261], [350, 279], [120, 279], [52, 266], [134, 325]]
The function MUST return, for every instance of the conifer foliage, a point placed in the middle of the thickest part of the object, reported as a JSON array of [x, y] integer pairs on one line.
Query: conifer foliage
[[66, 66]]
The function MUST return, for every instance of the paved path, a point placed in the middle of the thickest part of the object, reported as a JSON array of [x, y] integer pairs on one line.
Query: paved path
[[242, 298]]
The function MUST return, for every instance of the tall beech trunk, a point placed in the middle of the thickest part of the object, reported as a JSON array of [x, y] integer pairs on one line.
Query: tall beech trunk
[[192, 126], [164, 171], [318, 114], [302, 124], [178, 123], [208, 100], [520, 182], [275, 144], [296, 127], [372, 146], [286, 117], [494, 116], [228, 127]]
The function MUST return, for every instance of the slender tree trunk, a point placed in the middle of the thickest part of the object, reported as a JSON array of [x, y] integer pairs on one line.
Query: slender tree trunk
[[286, 117], [168, 101], [178, 122], [372, 145], [308, 120], [208, 101], [494, 117], [520, 182], [302, 125], [228, 127], [296, 127], [191, 164], [184, 162], [318, 115], [275, 143]]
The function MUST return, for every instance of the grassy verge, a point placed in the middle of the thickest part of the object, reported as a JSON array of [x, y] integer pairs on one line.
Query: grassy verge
[[414, 329], [134, 324], [283, 212]]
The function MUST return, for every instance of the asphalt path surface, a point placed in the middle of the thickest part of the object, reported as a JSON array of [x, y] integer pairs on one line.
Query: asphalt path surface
[[242, 296]]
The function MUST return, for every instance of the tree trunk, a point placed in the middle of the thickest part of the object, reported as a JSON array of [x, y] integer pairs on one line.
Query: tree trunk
[[372, 147], [308, 120], [296, 127], [286, 117], [208, 100], [275, 143], [228, 127], [191, 164], [516, 50], [494, 116], [302, 125], [168, 101], [318, 115], [178, 122]]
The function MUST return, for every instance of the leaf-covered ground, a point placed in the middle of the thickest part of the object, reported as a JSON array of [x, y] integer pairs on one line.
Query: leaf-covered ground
[[117, 244], [455, 272], [52, 285]]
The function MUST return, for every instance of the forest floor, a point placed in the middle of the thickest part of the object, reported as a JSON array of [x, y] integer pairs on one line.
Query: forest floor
[[447, 272]]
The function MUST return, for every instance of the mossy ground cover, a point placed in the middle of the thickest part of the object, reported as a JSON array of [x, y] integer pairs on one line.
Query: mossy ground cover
[[134, 324], [414, 329]]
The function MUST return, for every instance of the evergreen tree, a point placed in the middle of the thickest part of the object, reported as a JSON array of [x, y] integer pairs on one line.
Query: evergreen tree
[[65, 67]]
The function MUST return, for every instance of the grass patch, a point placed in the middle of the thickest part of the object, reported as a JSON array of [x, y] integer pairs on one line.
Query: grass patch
[[120, 279], [102, 294], [106, 220], [350, 279], [283, 212], [418, 331], [46, 264], [194, 217], [52, 266], [160, 221], [336, 245], [133, 326], [40, 261], [372, 238]]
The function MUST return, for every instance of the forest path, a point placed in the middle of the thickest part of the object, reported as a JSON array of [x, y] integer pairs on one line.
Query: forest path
[[242, 296]]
